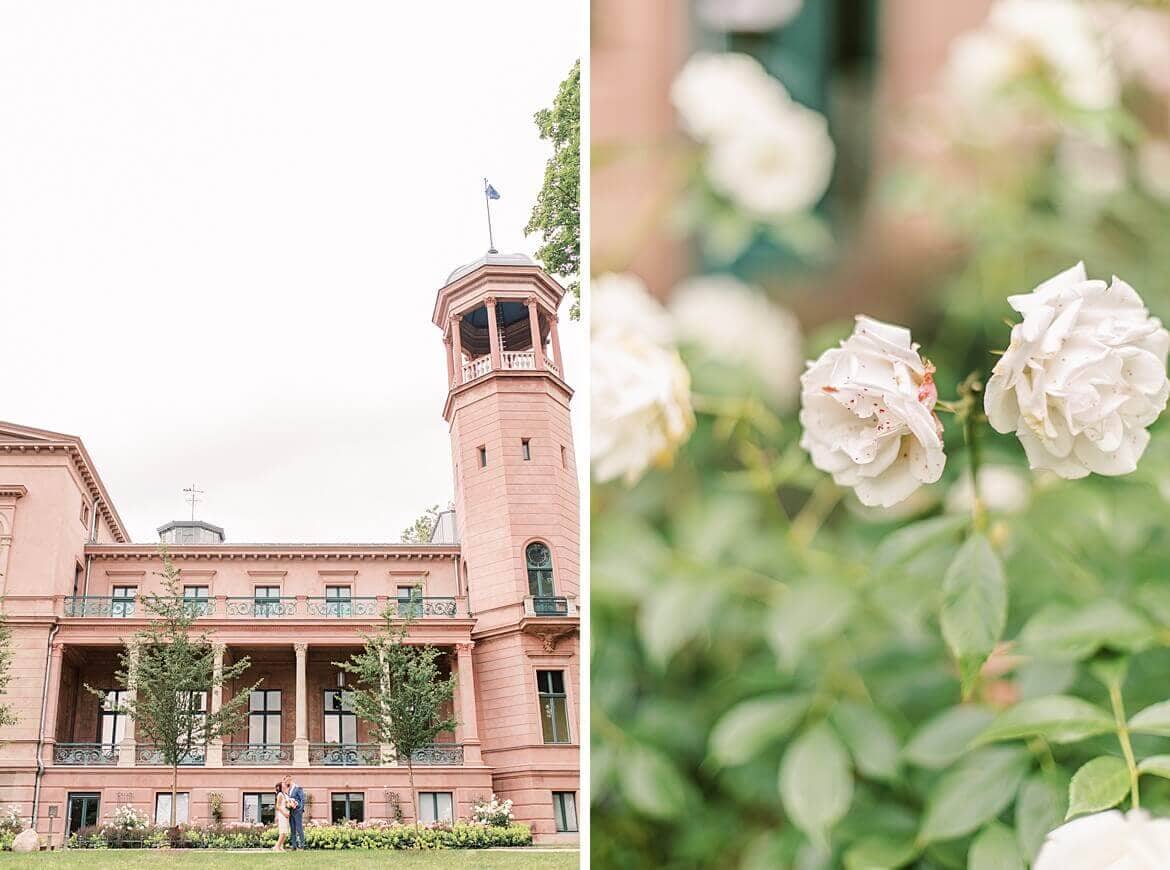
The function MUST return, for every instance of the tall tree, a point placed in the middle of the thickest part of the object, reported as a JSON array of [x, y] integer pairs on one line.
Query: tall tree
[[7, 713], [557, 213], [420, 531], [170, 669], [400, 692]]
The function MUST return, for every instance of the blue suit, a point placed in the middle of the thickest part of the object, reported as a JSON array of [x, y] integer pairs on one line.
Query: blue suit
[[296, 819]]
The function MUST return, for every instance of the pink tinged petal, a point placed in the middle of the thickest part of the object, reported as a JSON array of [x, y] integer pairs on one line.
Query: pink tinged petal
[[885, 456], [926, 461]]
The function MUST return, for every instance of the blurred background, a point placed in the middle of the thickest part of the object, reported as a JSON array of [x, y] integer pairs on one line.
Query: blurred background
[[973, 149]]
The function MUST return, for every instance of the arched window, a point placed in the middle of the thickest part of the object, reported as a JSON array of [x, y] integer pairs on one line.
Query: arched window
[[540, 570]]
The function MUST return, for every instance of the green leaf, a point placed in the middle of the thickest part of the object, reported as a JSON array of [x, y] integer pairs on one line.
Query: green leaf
[[672, 615], [1100, 784], [974, 609], [995, 849], [1158, 765], [1057, 718], [941, 741], [1155, 719], [808, 612], [907, 542], [745, 730], [870, 739], [816, 785], [652, 784], [1155, 598], [973, 793], [1039, 809], [1062, 632], [880, 852]]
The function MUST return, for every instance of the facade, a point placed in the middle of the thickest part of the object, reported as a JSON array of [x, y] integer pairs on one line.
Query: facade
[[498, 585]]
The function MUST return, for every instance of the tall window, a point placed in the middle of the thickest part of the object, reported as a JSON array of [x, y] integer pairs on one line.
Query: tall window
[[540, 570], [435, 806], [162, 808], [264, 716], [195, 598], [565, 810], [338, 601], [266, 601], [111, 721], [123, 601], [340, 721], [482, 456], [525, 449], [554, 706], [349, 805], [259, 807], [196, 702], [410, 601]]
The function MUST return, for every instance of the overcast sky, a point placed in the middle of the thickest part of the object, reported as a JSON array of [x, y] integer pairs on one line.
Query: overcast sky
[[222, 226]]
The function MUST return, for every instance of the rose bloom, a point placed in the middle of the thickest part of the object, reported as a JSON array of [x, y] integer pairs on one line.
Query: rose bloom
[[641, 407], [1084, 376], [719, 94], [1108, 841], [737, 325], [868, 414]]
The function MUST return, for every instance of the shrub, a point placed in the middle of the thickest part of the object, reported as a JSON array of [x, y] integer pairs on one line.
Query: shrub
[[492, 812]]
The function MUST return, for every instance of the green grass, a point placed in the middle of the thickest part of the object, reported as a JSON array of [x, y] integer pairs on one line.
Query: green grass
[[133, 859]]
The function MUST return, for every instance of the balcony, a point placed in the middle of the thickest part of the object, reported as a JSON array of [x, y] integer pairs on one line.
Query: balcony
[[477, 368], [510, 360], [85, 754], [550, 606], [445, 754], [284, 607], [345, 754], [256, 754], [147, 755]]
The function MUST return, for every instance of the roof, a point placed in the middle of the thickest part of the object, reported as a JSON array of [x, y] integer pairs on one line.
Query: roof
[[190, 524], [490, 259]]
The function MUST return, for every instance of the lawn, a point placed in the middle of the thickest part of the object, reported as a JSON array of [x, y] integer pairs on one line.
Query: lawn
[[127, 859]]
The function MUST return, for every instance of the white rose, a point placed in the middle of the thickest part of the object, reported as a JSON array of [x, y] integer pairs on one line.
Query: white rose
[[1108, 841], [745, 16], [718, 94], [738, 325], [868, 414], [641, 408], [1002, 489], [778, 165], [1084, 376]]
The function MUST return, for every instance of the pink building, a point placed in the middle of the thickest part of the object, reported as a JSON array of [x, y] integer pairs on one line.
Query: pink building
[[498, 582]]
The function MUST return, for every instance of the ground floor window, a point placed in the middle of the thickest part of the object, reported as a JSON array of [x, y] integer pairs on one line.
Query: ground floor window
[[349, 806], [82, 810], [565, 809], [260, 807], [162, 808], [435, 806]]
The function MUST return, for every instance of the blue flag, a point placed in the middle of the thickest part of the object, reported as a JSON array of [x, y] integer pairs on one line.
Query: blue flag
[[491, 192]]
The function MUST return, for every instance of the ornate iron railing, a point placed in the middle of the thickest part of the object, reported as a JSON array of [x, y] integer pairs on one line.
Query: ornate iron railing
[[419, 607], [125, 608], [247, 754], [550, 605], [345, 754], [85, 754], [261, 608], [342, 608], [449, 754], [146, 754]]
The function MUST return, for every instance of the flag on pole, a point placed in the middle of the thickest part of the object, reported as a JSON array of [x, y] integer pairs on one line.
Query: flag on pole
[[491, 192]]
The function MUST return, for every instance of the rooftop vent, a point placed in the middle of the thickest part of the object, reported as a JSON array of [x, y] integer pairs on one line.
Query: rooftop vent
[[181, 532]]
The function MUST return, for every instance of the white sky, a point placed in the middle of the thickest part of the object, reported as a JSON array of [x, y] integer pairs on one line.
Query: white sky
[[222, 226]]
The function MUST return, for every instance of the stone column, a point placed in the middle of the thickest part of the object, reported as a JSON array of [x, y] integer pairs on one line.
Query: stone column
[[450, 360], [468, 731], [56, 654], [493, 332], [534, 328], [556, 345], [457, 346], [301, 744], [388, 756], [214, 702], [128, 748]]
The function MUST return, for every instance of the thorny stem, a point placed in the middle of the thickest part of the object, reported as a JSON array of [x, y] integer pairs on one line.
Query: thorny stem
[[967, 408], [1123, 739]]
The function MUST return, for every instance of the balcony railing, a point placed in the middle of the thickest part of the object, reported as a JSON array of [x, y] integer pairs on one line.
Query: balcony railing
[[284, 607], [261, 608], [416, 608], [345, 754], [146, 754], [258, 754], [85, 754], [519, 359], [342, 608], [448, 754], [478, 367], [550, 605]]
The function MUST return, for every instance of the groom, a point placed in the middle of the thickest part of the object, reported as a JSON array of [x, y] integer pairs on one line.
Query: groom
[[296, 815]]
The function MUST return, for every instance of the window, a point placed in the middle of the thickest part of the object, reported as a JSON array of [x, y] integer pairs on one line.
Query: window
[[82, 810], [349, 805], [564, 457], [338, 601], [264, 716], [78, 574], [525, 449], [84, 513], [482, 456], [565, 810], [554, 712], [111, 719], [266, 601], [410, 601], [435, 806], [122, 603], [259, 807], [196, 597], [540, 570], [340, 721], [162, 808]]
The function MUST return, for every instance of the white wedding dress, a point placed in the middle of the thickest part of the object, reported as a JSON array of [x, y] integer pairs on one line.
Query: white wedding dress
[[281, 814]]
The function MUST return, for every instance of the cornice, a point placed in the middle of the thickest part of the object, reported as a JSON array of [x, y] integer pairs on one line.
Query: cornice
[[326, 552], [522, 374], [15, 490]]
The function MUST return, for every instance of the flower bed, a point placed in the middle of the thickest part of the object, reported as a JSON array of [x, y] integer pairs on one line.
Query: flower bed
[[461, 835]]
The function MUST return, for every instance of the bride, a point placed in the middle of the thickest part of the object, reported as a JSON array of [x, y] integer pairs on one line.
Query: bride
[[282, 807]]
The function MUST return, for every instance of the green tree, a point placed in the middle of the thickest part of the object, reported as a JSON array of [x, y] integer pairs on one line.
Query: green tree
[[170, 669], [557, 213], [419, 532], [400, 692], [7, 714]]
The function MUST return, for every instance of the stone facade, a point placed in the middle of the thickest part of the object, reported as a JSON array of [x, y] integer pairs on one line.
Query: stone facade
[[69, 574]]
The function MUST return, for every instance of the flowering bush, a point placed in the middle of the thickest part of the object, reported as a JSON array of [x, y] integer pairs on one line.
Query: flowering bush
[[11, 821], [492, 812], [127, 818]]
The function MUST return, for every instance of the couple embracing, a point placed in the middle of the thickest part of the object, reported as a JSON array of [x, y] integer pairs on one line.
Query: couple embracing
[[290, 814]]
